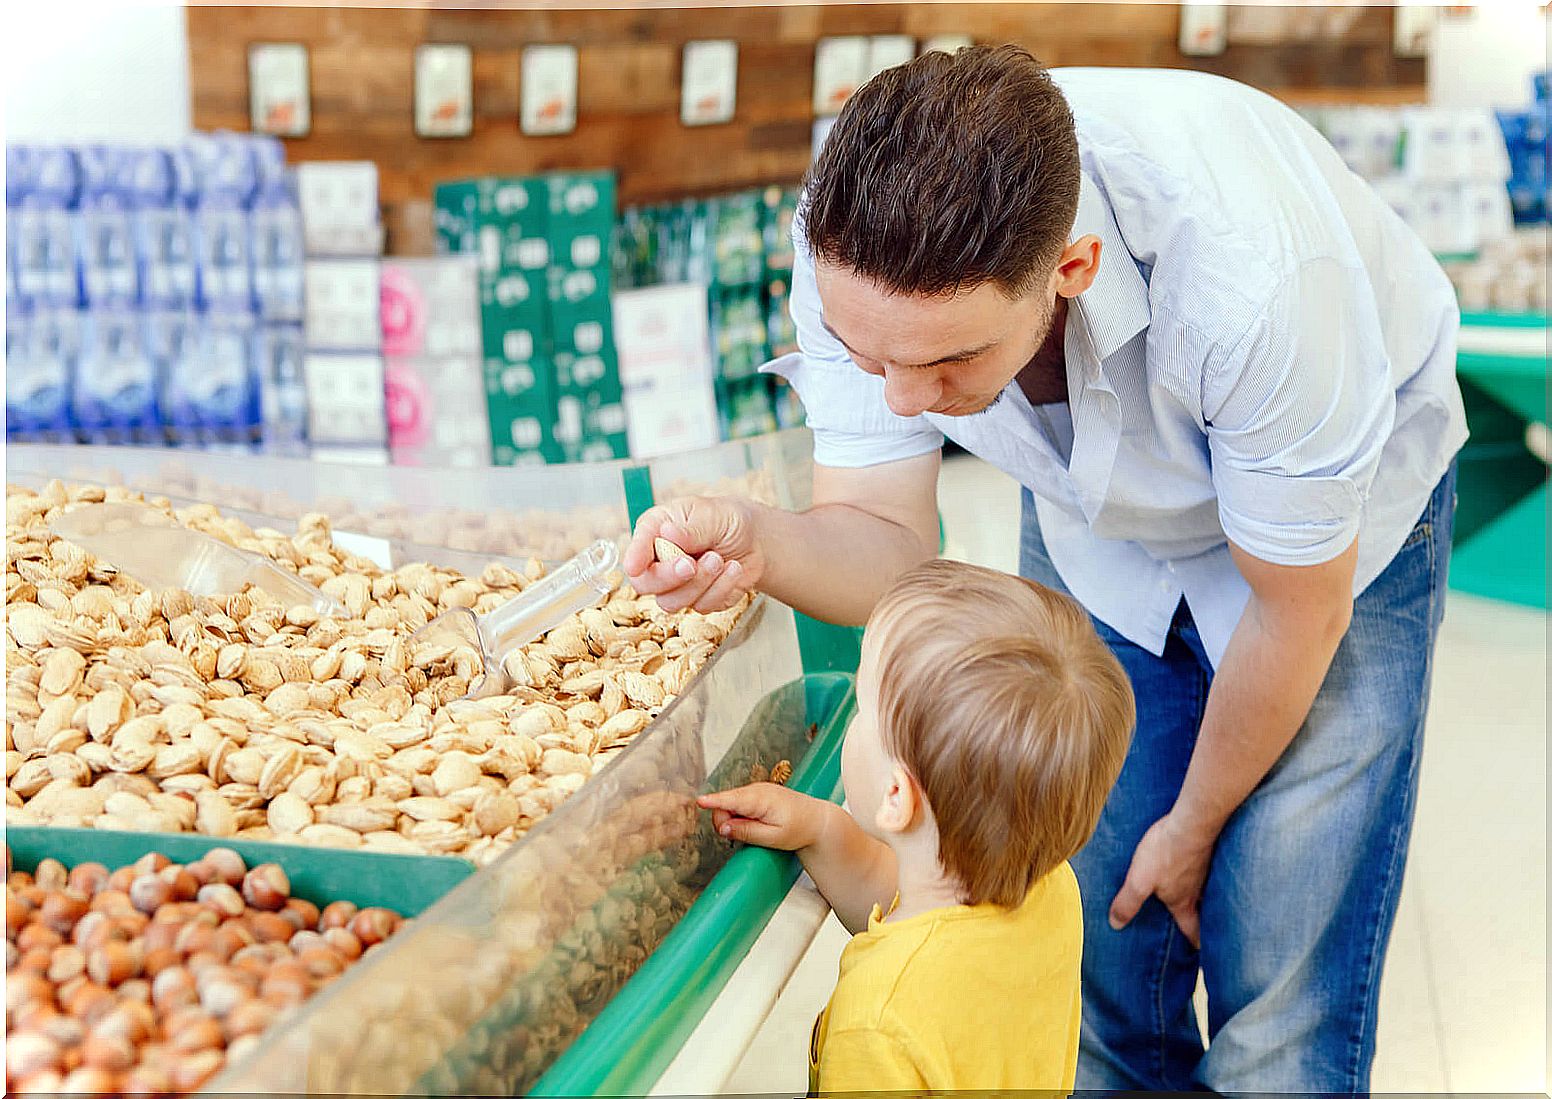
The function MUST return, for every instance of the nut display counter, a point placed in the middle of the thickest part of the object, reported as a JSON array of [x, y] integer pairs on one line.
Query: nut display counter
[[1500, 546], [573, 917]]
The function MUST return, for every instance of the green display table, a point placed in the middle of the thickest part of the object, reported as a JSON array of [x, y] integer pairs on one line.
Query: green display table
[[1500, 545]]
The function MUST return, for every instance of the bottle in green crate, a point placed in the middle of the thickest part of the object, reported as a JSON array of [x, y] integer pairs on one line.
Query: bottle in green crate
[[781, 331], [781, 205]]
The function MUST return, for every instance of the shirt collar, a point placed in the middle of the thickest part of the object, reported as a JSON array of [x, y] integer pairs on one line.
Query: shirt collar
[[1115, 308]]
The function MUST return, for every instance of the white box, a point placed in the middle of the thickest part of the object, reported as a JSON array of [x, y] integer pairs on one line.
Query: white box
[[344, 305], [436, 412], [662, 336], [345, 401], [671, 420], [339, 208]]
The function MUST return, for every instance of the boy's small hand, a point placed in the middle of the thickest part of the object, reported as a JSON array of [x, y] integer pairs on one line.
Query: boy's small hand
[[766, 815]]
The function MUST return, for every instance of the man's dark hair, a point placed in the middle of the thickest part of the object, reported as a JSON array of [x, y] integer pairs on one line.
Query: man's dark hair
[[946, 173]]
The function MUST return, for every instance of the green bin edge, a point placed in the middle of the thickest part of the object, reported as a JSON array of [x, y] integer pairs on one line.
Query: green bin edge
[[626, 1049], [407, 884]]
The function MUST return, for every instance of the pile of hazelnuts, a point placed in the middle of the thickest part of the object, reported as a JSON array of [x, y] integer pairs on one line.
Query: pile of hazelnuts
[[149, 979]]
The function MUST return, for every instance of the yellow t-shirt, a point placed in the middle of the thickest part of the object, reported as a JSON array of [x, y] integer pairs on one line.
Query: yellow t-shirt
[[968, 997]]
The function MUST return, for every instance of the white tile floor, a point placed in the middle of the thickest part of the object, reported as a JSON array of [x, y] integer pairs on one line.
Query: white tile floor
[[1463, 1004]]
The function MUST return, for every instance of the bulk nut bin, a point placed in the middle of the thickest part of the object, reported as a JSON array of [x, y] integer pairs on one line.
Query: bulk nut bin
[[511, 966]]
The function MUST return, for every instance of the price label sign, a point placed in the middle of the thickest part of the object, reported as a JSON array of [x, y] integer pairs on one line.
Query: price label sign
[[709, 88], [444, 91], [840, 67], [549, 90], [279, 101]]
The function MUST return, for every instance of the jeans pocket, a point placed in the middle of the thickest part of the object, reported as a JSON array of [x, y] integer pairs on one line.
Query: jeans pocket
[[1422, 532]]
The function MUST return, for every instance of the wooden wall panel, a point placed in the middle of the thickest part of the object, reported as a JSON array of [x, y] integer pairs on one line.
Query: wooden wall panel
[[362, 66]]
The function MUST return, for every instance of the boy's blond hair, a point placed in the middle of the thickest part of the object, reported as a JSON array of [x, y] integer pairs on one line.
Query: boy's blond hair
[[1000, 699]]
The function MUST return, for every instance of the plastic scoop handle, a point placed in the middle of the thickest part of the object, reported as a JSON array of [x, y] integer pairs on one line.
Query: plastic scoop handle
[[546, 603]]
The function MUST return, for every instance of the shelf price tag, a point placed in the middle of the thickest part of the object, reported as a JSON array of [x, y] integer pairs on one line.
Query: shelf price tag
[[549, 90], [708, 91]]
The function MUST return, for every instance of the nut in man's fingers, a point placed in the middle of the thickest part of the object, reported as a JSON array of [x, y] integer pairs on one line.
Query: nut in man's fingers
[[666, 551]]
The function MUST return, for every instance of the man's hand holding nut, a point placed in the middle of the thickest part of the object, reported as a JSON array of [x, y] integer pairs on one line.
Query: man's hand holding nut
[[723, 560]]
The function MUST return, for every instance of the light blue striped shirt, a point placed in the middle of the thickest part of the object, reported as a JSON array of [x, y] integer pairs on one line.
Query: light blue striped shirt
[[1267, 355]]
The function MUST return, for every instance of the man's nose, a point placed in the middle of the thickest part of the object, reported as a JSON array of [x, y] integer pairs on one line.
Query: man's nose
[[910, 396]]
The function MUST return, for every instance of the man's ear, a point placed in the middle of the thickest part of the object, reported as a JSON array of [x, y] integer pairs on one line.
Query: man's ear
[[901, 803], [1077, 267]]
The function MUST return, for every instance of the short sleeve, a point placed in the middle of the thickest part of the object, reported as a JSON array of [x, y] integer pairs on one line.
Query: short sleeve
[[852, 425], [1297, 414], [858, 1061]]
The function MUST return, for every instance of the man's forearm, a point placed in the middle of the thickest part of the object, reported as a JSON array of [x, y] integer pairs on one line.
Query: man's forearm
[[851, 869], [1261, 694], [833, 562]]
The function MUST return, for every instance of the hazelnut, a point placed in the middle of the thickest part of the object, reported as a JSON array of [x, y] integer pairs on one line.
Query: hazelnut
[[151, 862], [38, 936], [66, 963], [249, 1017], [240, 1047], [343, 942], [90, 1081], [302, 914], [40, 1083], [226, 865], [286, 987], [121, 879], [92, 930], [87, 877], [373, 925], [88, 1002], [309, 940], [61, 910], [158, 960], [51, 874], [12, 955], [222, 899], [191, 1032], [28, 1054], [194, 938], [137, 988], [113, 902], [131, 1020], [338, 914], [267, 887], [113, 1052], [149, 892], [270, 927], [113, 963], [221, 994], [190, 1073], [322, 963], [18, 910], [196, 963], [185, 886], [173, 988], [33, 1015], [231, 937], [146, 1079], [131, 925]]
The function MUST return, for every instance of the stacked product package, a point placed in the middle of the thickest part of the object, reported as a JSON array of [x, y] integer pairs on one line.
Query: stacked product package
[[738, 246], [551, 375], [1446, 171], [432, 362], [153, 295], [1528, 136], [344, 241]]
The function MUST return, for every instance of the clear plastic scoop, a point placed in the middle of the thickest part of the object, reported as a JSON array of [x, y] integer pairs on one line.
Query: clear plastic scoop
[[542, 606], [153, 548]]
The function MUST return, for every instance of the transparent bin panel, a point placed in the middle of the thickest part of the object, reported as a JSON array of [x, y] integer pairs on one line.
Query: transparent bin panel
[[767, 468], [489, 986], [549, 512]]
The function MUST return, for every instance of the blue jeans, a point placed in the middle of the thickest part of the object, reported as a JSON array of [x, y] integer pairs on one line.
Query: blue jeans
[[1302, 892]]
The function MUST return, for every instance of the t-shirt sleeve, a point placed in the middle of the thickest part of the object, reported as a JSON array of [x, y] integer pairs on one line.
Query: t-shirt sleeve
[[859, 1061], [1297, 413], [845, 407]]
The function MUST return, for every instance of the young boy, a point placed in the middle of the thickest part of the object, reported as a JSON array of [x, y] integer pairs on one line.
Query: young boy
[[991, 723]]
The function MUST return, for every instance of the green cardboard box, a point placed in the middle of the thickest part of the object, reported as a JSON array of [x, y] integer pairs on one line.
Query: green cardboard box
[[581, 330], [588, 374], [514, 335], [580, 200]]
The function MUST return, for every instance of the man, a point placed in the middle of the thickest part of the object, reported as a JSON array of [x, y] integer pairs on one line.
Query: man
[[1222, 371]]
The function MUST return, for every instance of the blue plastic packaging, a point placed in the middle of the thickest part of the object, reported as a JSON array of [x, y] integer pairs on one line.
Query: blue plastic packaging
[[210, 392], [276, 220], [40, 351], [224, 171], [281, 351], [113, 400], [105, 239], [164, 229], [49, 187]]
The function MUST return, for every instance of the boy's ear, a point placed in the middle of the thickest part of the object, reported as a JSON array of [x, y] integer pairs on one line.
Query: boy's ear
[[901, 803]]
